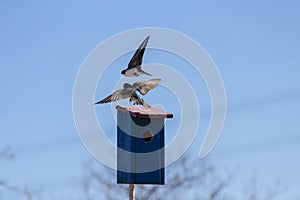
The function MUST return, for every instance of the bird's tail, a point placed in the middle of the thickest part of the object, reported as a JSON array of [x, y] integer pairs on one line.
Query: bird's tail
[[145, 72], [145, 104], [140, 102]]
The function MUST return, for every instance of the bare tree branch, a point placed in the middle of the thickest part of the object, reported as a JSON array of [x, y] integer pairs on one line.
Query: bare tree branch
[[191, 177], [6, 153], [24, 192]]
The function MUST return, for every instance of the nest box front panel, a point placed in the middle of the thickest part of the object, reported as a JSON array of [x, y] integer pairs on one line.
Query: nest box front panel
[[141, 136]]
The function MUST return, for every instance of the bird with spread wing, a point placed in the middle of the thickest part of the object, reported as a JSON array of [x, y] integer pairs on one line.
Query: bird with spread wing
[[133, 92], [135, 65]]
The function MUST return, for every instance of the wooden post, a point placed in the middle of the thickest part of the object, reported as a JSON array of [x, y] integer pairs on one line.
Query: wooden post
[[131, 192]]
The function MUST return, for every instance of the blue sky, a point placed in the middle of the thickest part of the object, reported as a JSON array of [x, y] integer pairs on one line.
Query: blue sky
[[255, 45]]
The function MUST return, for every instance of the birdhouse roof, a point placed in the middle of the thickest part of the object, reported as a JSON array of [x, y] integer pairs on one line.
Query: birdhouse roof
[[144, 112]]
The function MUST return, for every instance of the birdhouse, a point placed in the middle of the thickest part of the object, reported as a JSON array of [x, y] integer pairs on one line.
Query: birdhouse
[[141, 143]]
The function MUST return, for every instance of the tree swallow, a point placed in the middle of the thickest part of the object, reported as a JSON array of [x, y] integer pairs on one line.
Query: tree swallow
[[133, 92], [135, 65]]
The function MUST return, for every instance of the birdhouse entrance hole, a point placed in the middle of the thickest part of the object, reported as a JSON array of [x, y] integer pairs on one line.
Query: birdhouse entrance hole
[[148, 136]]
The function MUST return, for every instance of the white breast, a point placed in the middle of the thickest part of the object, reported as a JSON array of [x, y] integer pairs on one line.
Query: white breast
[[132, 72]]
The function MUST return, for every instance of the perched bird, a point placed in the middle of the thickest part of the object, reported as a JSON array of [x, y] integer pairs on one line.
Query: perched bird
[[133, 92], [135, 65]]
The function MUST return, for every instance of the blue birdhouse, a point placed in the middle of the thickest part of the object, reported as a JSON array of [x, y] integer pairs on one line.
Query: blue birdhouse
[[141, 142]]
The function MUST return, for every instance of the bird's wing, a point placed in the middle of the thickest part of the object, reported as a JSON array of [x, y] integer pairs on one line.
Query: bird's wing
[[145, 86], [117, 95], [137, 58], [128, 86]]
